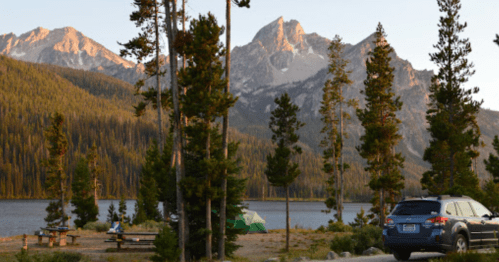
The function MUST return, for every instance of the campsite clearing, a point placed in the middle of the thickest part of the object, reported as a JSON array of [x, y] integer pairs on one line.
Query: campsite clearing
[[255, 247]]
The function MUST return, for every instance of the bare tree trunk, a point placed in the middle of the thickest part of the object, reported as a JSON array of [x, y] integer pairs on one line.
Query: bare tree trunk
[[63, 210], [340, 215], [208, 198], [382, 208], [96, 197], [158, 99], [287, 218], [225, 141], [171, 24]]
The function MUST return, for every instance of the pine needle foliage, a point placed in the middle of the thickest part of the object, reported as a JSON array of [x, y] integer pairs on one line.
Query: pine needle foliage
[[280, 171], [148, 192], [332, 118], [55, 182], [381, 126], [83, 199], [452, 111]]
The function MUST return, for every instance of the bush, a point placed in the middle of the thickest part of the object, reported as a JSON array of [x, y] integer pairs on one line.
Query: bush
[[360, 240], [321, 229], [366, 237], [24, 256], [338, 226], [343, 243], [97, 226], [166, 246]]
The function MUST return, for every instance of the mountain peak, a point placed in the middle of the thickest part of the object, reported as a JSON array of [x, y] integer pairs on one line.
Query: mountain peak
[[62, 46]]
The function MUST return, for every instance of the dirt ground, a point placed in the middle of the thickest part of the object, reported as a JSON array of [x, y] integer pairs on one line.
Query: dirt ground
[[255, 247]]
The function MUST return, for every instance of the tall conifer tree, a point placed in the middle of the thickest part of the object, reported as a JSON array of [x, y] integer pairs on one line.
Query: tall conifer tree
[[280, 170], [225, 126], [83, 199], [177, 151], [333, 115], [205, 99], [142, 47], [452, 111], [95, 171], [55, 182], [381, 126]]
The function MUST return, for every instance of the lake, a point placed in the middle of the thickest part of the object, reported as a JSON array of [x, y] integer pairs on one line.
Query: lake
[[19, 217]]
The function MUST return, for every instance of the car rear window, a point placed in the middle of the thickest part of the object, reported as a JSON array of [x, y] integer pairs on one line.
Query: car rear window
[[416, 208]]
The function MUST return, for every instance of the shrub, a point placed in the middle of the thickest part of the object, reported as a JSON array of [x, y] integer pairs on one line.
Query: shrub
[[321, 229], [97, 226], [360, 240], [166, 246], [366, 237], [338, 226], [24, 256], [343, 243]]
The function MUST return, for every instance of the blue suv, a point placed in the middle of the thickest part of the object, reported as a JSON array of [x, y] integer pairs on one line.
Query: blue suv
[[439, 224]]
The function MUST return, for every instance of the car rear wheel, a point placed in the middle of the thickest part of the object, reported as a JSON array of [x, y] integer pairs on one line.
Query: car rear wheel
[[401, 255], [460, 244]]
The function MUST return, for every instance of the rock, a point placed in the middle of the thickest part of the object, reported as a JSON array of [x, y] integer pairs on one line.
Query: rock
[[272, 259], [332, 255], [301, 259], [345, 254], [372, 251]]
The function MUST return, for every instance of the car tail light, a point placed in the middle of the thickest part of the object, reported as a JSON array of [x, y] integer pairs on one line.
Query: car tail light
[[389, 222], [437, 221]]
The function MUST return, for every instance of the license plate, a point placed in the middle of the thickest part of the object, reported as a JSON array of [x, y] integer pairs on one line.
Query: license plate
[[409, 227]]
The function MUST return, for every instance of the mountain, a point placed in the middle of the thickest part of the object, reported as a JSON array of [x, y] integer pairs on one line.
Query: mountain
[[64, 47], [280, 58], [279, 53], [252, 112]]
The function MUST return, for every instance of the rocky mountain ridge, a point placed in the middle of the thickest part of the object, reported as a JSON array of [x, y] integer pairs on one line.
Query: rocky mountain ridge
[[64, 47], [281, 57]]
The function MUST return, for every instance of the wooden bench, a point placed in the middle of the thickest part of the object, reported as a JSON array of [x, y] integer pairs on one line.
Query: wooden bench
[[73, 238], [120, 239]]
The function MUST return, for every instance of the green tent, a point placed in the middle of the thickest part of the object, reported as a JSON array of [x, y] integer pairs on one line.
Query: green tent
[[250, 221]]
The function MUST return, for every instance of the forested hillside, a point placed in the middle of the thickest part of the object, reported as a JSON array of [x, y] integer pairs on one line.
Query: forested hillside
[[98, 108]]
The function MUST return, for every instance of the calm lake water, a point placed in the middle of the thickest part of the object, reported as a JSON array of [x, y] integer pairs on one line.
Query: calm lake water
[[19, 217]]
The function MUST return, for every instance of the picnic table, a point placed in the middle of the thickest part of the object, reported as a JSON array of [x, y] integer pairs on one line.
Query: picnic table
[[53, 233], [121, 238]]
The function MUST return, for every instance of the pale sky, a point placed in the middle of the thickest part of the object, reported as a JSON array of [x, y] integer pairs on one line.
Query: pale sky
[[411, 25]]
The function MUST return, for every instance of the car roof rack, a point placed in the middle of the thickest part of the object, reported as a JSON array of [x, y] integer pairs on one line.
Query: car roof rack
[[438, 197]]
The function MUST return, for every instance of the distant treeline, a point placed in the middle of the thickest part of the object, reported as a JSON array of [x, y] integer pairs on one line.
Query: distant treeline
[[98, 108]]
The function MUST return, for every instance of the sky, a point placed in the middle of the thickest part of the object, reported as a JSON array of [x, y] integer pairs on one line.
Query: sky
[[411, 25]]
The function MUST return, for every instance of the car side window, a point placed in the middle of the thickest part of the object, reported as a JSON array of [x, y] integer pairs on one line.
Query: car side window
[[480, 210], [451, 209], [466, 209]]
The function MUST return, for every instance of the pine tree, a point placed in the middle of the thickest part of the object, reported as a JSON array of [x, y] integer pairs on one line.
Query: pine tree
[[148, 192], [225, 125], [83, 200], [280, 171], [55, 182], [95, 171], [492, 164], [177, 148], [332, 102], [122, 210], [381, 126], [205, 99], [111, 213], [147, 17], [452, 111]]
